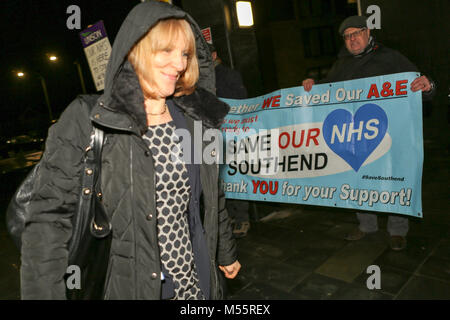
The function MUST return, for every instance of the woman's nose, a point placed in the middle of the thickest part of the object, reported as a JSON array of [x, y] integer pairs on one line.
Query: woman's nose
[[179, 61]]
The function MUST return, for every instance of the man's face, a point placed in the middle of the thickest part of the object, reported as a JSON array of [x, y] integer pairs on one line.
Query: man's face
[[356, 39]]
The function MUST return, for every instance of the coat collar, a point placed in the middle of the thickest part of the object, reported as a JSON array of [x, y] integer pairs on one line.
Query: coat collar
[[124, 109]]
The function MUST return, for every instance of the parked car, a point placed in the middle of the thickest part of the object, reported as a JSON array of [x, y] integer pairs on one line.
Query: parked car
[[10, 147]]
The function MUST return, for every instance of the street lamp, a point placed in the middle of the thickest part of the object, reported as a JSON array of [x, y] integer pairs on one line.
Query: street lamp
[[51, 57], [22, 74], [54, 58]]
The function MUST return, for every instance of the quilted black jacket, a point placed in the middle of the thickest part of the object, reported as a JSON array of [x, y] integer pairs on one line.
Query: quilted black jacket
[[128, 182]]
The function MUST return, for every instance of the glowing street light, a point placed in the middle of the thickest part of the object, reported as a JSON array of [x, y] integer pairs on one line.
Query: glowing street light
[[21, 74], [54, 58], [244, 13]]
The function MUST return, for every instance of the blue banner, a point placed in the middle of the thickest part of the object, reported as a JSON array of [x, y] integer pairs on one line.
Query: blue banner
[[353, 144]]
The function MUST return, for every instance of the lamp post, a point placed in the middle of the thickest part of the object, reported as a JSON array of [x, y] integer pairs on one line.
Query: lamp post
[[22, 74], [54, 58], [47, 100], [80, 74]]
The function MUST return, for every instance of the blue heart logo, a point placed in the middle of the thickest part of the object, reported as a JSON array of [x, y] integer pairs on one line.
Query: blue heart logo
[[354, 138]]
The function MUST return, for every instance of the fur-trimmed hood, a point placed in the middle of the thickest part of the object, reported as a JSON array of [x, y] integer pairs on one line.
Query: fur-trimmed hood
[[123, 94]]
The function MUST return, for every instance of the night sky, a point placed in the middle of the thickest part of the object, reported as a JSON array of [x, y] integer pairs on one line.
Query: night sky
[[31, 30]]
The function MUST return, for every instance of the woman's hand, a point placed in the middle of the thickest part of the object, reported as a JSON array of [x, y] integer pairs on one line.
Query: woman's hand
[[232, 270]]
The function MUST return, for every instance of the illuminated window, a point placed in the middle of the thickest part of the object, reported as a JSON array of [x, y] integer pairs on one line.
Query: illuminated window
[[244, 13]]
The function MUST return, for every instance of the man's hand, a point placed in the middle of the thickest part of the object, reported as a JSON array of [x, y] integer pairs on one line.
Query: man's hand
[[232, 270], [421, 83], [307, 84]]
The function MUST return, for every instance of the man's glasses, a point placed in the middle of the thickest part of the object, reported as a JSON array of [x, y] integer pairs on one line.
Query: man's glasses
[[355, 34]]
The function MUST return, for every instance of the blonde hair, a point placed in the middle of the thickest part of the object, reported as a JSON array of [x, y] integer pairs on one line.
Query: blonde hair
[[158, 38]]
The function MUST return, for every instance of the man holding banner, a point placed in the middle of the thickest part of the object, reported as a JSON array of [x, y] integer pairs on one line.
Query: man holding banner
[[362, 57]]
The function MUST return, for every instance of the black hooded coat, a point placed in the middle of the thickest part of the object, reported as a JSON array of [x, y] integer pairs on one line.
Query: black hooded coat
[[128, 179]]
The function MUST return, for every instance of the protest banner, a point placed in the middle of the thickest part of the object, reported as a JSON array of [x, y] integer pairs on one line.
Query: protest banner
[[206, 32], [97, 48], [353, 144]]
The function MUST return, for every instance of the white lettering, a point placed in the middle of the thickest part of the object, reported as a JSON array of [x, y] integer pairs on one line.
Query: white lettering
[[74, 21]]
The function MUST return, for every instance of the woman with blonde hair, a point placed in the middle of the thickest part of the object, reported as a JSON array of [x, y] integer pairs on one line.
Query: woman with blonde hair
[[170, 230]]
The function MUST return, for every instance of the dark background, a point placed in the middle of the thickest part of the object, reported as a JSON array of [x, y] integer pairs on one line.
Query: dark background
[[32, 29], [291, 40]]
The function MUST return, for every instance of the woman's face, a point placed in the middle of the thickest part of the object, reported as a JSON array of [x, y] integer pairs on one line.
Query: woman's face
[[168, 65]]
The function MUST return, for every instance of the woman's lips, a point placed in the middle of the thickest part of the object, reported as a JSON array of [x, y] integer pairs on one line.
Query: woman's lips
[[171, 77]]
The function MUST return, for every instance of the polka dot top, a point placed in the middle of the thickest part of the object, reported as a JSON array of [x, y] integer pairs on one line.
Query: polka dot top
[[172, 200]]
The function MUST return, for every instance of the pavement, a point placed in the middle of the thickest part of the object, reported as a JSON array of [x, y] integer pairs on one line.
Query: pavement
[[303, 255], [22, 161], [299, 252]]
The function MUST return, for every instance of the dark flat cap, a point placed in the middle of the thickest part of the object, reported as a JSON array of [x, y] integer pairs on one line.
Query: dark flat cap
[[353, 22]]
